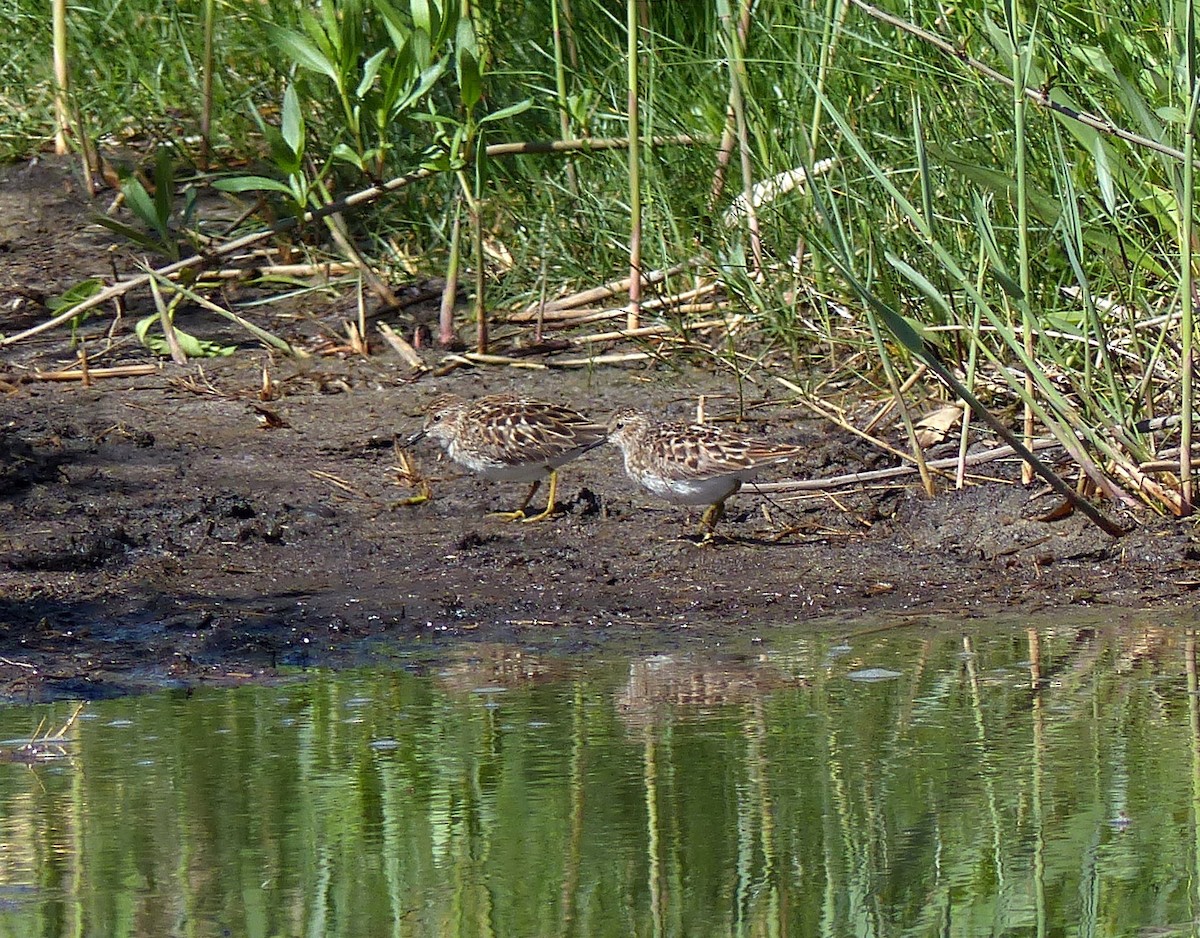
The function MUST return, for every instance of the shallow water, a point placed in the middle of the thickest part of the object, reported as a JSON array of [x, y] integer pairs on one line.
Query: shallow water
[[911, 780]]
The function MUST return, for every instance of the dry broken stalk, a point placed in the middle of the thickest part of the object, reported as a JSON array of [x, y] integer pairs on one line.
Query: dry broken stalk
[[603, 292], [94, 374]]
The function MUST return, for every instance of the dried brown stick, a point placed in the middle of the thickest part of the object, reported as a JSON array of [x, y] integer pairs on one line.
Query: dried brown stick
[[677, 302], [78, 374], [401, 347], [617, 335], [325, 269], [876, 475], [602, 292], [842, 423]]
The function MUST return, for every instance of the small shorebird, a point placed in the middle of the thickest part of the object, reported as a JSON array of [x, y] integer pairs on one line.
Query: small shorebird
[[692, 464], [510, 439]]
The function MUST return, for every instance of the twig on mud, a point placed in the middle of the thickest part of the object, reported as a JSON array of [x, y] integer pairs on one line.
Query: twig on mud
[[876, 475], [579, 315], [1144, 484], [78, 374], [584, 317], [477, 358], [603, 292], [409, 476], [617, 335], [325, 269], [614, 359], [199, 384], [401, 347], [840, 422], [891, 402], [336, 482]]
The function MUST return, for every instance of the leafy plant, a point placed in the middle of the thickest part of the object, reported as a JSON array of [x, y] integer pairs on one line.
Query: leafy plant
[[163, 221]]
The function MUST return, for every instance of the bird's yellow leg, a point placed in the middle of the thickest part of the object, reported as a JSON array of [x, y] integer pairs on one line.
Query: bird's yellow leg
[[712, 514], [549, 499], [519, 513]]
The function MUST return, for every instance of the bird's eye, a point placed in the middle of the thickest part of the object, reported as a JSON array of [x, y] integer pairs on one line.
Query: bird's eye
[[436, 418]]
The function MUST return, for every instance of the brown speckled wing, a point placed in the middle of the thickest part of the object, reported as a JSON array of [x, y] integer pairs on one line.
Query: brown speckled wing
[[535, 430], [700, 451]]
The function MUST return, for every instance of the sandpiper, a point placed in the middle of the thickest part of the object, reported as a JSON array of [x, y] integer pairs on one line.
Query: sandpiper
[[513, 439], [692, 464]]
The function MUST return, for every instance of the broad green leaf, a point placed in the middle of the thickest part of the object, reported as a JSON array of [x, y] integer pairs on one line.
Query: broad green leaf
[[349, 155], [192, 347], [1104, 176], [303, 52], [470, 82], [420, 47], [292, 126], [164, 187], [282, 154], [464, 37], [130, 233], [428, 79], [370, 70], [1044, 206], [140, 203], [251, 184], [423, 17], [75, 295], [505, 112]]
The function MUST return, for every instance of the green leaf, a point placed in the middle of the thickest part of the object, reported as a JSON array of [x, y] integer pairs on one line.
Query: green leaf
[[81, 291], [164, 187], [1044, 206], [470, 82], [192, 346], [505, 112], [370, 70], [303, 52], [135, 235], [398, 27], [921, 282], [423, 17], [349, 155], [251, 184], [143, 326], [1104, 175], [428, 79], [464, 38], [142, 206], [292, 127]]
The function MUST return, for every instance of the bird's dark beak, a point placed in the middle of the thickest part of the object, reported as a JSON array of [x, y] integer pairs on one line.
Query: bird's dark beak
[[415, 438], [595, 443]]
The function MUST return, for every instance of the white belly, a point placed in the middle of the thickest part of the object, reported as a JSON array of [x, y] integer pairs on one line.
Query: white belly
[[497, 470], [692, 491]]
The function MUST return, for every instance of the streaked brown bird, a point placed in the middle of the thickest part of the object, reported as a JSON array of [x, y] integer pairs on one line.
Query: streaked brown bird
[[691, 464], [510, 439]]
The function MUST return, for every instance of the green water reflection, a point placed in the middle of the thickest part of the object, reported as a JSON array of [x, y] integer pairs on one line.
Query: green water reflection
[[1010, 780]]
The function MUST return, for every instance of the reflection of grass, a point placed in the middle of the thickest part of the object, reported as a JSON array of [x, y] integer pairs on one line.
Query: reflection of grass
[[505, 791]]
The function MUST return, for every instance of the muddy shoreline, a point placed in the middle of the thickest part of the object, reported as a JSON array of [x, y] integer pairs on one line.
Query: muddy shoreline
[[176, 528]]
